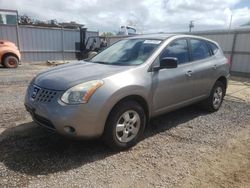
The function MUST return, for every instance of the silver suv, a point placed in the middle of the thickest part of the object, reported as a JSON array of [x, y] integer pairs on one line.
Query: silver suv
[[115, 93]]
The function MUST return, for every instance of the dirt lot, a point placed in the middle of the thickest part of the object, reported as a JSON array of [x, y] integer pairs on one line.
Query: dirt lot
[[185, 148]]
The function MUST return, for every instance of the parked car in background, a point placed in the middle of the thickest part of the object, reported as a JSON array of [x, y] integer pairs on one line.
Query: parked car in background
[[9, 54], [116, 92]]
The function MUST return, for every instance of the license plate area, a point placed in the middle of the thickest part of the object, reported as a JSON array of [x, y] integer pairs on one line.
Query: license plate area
[[30, 110], [39, 119]]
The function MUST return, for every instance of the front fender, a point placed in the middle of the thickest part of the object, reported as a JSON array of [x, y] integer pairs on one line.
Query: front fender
[[105, 99], [6, 50]]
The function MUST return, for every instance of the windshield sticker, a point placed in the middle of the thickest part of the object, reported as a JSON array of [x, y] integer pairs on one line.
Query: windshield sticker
[[152, 42]]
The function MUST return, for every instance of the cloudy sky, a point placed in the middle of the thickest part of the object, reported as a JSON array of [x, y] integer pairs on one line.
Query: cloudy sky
[[147, 15]]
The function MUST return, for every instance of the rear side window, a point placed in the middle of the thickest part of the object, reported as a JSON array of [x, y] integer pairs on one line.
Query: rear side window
[[214, 48], [199, 49], [177, 49]]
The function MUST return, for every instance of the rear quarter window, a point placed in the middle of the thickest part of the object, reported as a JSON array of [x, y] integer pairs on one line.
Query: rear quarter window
[[213, 47]]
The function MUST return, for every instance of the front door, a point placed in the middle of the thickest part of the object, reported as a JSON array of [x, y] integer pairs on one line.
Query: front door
[[173, 87]]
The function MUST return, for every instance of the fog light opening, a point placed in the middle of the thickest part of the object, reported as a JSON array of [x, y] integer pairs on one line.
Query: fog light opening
[[69, 129]]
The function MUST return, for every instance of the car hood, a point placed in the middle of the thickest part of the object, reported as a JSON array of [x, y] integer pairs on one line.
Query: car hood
[[65, 76]]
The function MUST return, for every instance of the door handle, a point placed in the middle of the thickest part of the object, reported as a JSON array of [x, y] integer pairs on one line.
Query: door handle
[[215, 67], [189, 73]]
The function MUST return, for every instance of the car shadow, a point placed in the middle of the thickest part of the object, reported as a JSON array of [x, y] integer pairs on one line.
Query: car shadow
[[30, 149]]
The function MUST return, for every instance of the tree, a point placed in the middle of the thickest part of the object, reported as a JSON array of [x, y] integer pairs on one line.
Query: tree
[[24, 19], [107, 34]]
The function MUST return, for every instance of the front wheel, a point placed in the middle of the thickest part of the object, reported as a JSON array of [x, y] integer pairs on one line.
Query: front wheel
[[10, 62], [125, 125], [214, 101]]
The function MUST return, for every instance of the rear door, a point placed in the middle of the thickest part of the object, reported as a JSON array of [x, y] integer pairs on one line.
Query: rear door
[[203, 65]]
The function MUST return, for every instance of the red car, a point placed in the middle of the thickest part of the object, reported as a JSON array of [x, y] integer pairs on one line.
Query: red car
[[9, 54]]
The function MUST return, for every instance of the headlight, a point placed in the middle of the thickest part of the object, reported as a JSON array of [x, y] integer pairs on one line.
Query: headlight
[[81, 93]]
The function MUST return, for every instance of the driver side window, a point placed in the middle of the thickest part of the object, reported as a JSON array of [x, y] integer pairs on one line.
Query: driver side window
[[177, 49]]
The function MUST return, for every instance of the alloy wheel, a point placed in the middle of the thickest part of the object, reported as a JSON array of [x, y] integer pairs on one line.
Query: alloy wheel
[[128, 126], [217, 98]]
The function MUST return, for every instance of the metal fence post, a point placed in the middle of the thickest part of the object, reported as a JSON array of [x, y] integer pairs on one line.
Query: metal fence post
[[17, 34], [233, 49], [62, 44]]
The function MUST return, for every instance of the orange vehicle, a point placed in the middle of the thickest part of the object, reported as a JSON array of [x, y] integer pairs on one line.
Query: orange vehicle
[[9, 54]]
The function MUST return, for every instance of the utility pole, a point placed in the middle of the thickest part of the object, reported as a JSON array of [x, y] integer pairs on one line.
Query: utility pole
[[191, 25], [230, 24]]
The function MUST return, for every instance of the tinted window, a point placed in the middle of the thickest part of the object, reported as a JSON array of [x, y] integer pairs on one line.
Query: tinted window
[[199, 49], [214, 48], [177, 49]]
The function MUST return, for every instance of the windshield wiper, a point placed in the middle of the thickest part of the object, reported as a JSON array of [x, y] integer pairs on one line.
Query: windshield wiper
[[117, 64], [100, 62]]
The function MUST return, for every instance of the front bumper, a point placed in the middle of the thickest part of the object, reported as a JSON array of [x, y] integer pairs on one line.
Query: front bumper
[[80, 121]]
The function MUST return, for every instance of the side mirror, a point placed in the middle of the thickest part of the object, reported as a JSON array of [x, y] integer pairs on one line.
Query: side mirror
[[168, 63]]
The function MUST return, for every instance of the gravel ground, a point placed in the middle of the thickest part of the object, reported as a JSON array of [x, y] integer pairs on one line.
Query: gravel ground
[[185, 148]]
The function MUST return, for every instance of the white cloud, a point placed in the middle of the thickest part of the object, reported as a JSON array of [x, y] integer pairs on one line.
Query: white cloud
[[241, 16], [148, 15]]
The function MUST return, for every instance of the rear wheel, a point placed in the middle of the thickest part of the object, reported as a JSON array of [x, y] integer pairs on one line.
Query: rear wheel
[[214, 101], [125, 125], [10, 62]]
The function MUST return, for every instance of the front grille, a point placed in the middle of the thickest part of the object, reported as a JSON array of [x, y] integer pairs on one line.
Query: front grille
[[43, 121], [45, 95], [41, 95]]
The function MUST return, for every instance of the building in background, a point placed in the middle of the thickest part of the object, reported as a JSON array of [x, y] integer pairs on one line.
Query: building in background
[[8, 17]]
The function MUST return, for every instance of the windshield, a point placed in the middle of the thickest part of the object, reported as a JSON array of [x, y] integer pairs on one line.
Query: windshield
[[127, 52]]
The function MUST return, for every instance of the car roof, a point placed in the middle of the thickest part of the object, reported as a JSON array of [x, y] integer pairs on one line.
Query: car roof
[[164, 36], [159, 36]]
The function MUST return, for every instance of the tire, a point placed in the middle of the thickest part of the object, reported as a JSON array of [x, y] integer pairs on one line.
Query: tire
[[10, 62], [214, 101], [92, 54], [125, 125]]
